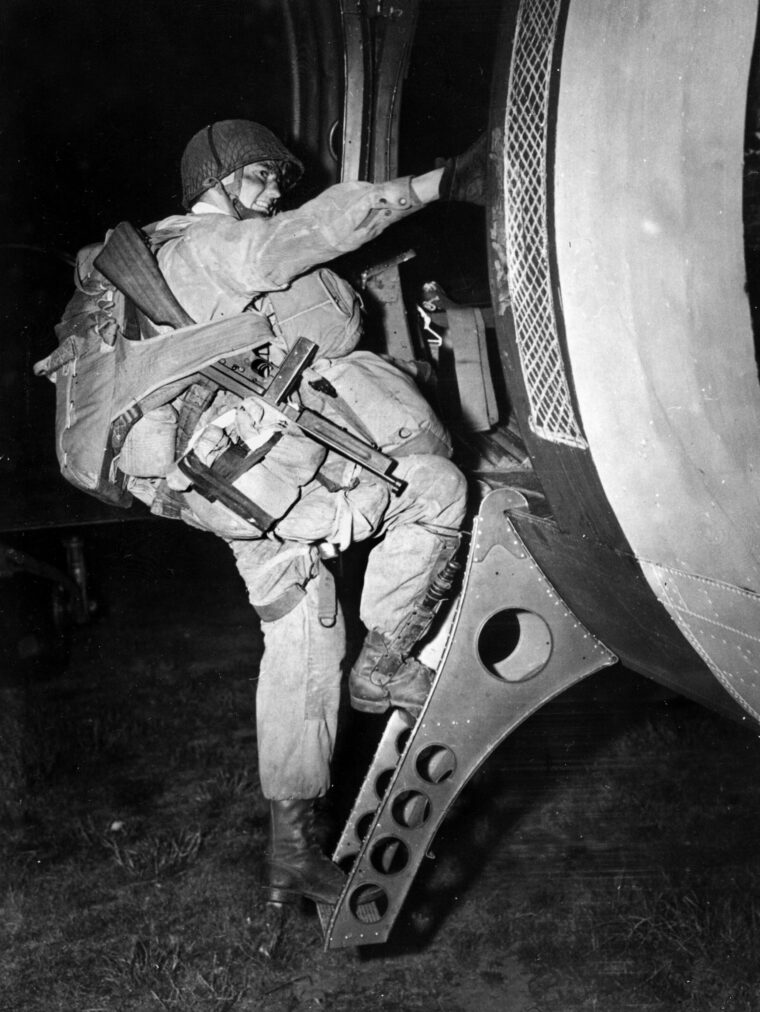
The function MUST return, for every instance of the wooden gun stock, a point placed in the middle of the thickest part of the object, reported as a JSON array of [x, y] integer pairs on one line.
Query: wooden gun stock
[[129, 264]]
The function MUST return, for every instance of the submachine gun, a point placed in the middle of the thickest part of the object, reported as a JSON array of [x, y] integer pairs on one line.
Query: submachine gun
[[129, 264]]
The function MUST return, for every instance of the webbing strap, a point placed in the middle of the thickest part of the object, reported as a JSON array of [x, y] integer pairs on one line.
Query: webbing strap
[[211, 487], [167, 502], [327, 599], [334, 486], [236, 460], [281, 605], [194, 402]]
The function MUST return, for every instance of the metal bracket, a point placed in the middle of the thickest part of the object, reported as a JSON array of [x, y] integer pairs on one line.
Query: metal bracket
[[511, 645], [456, 339], [377, 38]]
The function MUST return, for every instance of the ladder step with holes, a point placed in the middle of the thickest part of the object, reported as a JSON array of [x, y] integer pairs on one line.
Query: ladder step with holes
[[511, 645]]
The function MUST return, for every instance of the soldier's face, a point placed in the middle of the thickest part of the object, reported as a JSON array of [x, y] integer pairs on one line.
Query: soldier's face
[[259, 188]]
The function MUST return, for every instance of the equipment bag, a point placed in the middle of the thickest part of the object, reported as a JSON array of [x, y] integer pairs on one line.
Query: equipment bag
[[83, 368], [107, 379]]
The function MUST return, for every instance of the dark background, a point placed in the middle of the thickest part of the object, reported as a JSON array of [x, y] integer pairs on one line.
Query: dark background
[[99, 100], [606, 853]]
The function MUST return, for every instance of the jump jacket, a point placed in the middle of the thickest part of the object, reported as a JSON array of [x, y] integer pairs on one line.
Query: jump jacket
[[217, 266]]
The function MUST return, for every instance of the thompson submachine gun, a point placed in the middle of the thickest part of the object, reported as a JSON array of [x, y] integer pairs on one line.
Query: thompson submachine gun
[[129, 264]]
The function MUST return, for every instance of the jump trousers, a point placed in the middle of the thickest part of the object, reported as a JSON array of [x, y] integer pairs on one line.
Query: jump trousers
[[298, 689]]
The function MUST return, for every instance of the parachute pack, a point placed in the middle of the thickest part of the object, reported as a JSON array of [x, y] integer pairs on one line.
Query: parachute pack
[[107, 379], [115, 385], [83, 368]]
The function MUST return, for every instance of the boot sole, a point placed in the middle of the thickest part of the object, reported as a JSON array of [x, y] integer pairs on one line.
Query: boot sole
[[283, 896], [289, 897], [367, 706]]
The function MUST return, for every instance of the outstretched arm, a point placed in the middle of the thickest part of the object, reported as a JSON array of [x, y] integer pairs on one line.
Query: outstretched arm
[[260, 255], [265, 254], [428, 186]]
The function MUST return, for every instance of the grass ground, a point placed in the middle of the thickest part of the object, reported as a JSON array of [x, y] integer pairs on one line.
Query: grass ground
[[605, 858]]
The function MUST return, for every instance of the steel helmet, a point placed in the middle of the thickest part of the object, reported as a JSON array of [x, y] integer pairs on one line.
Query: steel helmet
[[222, 147]]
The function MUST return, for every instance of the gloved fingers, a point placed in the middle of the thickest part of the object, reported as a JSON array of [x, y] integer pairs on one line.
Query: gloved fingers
[[464, 177]]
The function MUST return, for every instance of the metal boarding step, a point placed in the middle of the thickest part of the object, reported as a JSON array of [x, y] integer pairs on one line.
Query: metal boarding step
[[510, 645]]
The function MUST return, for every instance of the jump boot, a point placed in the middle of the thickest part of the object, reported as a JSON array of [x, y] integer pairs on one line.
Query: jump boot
[[383, 677], [295, 864], [384, 674]]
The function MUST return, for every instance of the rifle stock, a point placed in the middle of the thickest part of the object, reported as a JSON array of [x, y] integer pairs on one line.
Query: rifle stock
[[129, 264]]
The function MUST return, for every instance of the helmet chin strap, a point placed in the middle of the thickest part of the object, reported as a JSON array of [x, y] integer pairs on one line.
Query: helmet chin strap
[[247, 212], [240, 209], [231, 199], [231, 203], [232, 192]]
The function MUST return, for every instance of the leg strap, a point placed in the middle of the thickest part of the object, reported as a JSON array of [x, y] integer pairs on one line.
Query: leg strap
[[292, 597]]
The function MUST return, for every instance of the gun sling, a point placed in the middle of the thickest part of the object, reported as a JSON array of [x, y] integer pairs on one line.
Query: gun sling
[[129, 264]]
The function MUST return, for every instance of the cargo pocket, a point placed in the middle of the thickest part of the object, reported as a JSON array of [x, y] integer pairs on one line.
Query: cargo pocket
[[148, 450]]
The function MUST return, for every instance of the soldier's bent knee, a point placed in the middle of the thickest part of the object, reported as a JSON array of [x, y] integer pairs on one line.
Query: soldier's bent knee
[[439, 484]]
